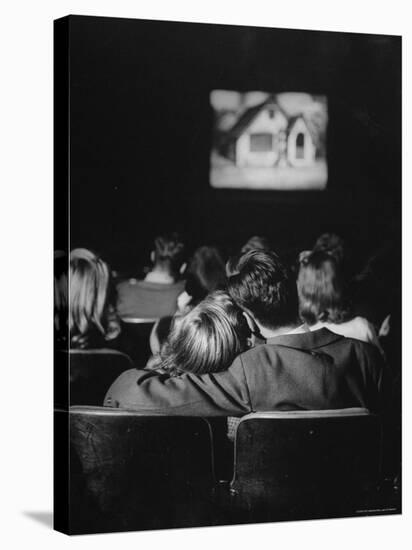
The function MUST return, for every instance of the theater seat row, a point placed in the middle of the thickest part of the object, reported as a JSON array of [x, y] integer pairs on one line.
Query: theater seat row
[[130, 471]]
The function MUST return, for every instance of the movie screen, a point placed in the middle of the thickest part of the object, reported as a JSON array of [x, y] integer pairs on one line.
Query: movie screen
[[264, 140]]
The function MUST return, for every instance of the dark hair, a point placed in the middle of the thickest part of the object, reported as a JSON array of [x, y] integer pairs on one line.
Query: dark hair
[[331, 243], [164, 326], [321, 289], [205, 274], [169, 252], [259, 282], [208, 338], [256, 243]]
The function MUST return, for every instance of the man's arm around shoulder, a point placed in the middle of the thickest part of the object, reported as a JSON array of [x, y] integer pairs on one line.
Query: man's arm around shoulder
[[220, 394]]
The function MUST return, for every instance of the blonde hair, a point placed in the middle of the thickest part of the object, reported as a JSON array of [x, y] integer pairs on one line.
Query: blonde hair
[[92, 318], [208, 338]]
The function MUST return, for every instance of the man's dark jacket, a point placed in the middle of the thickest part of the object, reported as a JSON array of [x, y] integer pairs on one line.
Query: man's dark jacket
[[311, 370]]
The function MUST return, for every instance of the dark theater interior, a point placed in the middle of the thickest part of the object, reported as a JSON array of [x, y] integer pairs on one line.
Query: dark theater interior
[[134, 130]]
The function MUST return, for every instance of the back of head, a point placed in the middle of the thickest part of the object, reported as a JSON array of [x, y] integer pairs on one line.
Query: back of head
[[206, 273], [256, 243], [261, 284], [331, 243], [90, 316], [321, 289], [208, 338], [169, 253]]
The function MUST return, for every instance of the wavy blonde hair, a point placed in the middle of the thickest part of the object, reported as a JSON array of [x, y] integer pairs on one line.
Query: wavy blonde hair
[[208, 338], [92, 318]]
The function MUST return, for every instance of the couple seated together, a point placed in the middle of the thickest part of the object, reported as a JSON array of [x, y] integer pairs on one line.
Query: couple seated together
[[264, 343]]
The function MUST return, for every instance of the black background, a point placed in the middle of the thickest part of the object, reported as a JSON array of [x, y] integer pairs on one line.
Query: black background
[[141, 126]]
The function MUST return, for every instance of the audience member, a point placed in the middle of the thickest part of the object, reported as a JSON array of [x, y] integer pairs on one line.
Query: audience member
[[208, 338], [327, 242], [376, 289], [156, 295], [295, 369], [323, 300], [332, 244], [206, 273], [256, 243], [200, 340], [205, 340], [92, 318]]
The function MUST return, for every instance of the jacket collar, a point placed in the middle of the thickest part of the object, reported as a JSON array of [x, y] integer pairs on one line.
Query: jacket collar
[[306, 340]]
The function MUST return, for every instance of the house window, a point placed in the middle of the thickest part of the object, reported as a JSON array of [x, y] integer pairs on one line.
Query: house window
[[271, 113], [300, 146], [261, 143]]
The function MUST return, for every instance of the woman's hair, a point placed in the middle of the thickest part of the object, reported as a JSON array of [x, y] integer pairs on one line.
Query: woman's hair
[[330, 243], [205, 274], [208, 338], [169, 252], [92, 318], [321, 289]]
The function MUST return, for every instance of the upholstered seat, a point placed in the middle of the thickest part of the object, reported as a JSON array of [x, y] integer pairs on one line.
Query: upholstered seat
[[82, 377], [305, 464], [134, 339], [131, 471]]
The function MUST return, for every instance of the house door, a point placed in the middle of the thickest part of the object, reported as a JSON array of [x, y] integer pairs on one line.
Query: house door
[[300, 146]]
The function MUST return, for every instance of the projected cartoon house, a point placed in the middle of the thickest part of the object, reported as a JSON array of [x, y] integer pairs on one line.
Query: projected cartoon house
[[265, 136]]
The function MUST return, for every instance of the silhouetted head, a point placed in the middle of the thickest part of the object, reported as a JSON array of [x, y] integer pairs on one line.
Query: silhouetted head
[[262, 285], [321, 289], [205, 274], [331, 243], [256, 243], [169, 254]]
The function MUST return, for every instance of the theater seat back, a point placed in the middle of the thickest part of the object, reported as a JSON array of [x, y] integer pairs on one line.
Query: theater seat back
[[135, 337], [131, 471], [306, 463], [84, 376]]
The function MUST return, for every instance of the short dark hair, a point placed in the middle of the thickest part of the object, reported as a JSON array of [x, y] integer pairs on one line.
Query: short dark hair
[[260, 283], [321, 289], [170, 252], [256, 243]]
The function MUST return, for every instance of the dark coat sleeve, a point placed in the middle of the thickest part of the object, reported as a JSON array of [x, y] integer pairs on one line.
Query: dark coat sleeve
[[219, 394], [377, 378]]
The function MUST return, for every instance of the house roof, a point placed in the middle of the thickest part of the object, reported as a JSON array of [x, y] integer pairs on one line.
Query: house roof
[[249, 115], [292, 120]]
